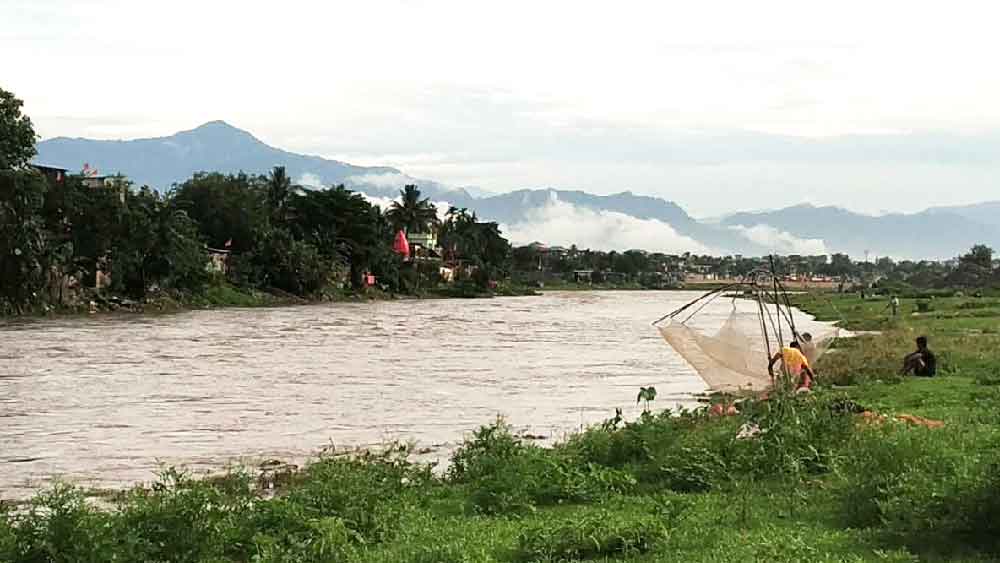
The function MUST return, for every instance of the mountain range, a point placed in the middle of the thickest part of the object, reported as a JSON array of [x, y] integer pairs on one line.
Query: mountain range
[[940, 232]]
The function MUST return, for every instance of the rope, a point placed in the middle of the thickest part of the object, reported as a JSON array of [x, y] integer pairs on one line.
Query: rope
[[711, 294], [703, 305], [763, 327]]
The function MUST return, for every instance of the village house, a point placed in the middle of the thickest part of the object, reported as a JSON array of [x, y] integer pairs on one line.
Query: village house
[[54, 174]]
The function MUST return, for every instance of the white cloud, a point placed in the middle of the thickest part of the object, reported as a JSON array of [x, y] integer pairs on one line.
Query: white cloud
[[383, 203], [493, 113], [564, 224], [781, 241], [310, 180], [391, 180]]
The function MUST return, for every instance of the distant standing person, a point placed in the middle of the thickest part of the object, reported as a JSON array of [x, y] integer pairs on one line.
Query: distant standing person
[[894, 305], [923, 362], [796, 364]]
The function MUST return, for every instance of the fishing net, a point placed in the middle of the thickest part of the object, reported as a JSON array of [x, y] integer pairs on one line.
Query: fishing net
[[735, 357]]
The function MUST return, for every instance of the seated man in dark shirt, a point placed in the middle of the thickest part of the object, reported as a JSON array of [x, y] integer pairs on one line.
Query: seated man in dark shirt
[[922, 363]]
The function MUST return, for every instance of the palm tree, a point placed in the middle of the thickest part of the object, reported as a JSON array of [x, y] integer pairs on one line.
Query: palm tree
[[279, 190], [412, 214]]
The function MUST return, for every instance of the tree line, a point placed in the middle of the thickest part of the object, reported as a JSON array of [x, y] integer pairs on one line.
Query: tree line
[[975, 269], [278, 236]]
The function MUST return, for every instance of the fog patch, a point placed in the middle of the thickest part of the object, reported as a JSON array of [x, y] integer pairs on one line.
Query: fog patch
[[310, 180], [779, 241], [383, 203], [564, 224], [385, 180]]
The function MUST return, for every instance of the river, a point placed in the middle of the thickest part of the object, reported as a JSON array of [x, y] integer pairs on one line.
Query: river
[[105, 401]]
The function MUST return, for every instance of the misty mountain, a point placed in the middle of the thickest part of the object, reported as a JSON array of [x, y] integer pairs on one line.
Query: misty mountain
[[217, 146], [520, 206], [987, 213], [928, 234]]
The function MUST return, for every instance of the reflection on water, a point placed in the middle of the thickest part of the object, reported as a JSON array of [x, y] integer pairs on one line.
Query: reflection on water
[[105, 401]]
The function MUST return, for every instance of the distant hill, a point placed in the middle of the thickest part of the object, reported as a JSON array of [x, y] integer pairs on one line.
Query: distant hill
[[217, 146], [160, 162], [929, 234], [517, 206], [987, 213]]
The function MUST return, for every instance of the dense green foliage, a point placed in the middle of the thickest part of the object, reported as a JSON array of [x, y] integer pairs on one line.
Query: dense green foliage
[[278, 237], [17, 134], [63, 237], [815, 480], [638, 269], [24, 255], [411, 213]]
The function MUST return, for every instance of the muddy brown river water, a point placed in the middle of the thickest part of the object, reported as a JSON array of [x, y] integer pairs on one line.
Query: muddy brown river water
[[105, 401]]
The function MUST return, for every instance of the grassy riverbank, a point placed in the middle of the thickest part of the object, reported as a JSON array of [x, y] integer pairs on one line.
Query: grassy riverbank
[[818, 483]]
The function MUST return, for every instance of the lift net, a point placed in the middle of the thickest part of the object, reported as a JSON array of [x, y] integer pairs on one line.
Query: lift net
[[735, 358]]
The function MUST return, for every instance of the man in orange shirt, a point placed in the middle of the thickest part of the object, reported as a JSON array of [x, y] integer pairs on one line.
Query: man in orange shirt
[[796, 364]]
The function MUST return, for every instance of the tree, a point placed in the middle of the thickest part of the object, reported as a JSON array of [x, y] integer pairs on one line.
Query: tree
[[279, 261], [479, 245], [980, 256], [412, 214], [83, 225], [24, 259], [226, 207], [156, 243], [279, 191], [975, 268], [17, 135], [345, 228], [840, 266]]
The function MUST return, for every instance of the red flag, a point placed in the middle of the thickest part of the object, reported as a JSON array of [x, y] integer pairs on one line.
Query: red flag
[[401, 246]]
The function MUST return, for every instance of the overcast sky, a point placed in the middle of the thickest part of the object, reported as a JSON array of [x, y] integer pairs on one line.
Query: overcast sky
[[720, 106]]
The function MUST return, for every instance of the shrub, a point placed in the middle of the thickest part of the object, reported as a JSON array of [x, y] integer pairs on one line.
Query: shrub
[[865, 358], [693, 470], [800, 435], [894, 473], [368, 493], [306, 541], [504, 474], [631, 445], [181, 519], [595, 534], [57, 526]]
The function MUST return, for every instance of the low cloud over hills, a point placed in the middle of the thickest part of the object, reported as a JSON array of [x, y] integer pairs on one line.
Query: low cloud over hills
[[620, 221]]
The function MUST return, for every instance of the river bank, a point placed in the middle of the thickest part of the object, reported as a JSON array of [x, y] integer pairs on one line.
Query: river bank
[[227, 295], [816, 480]]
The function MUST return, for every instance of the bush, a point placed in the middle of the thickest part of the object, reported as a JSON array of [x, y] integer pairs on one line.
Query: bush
[[865, 358], [800, 435], [505, 475], [600, 533], [57, 526], [911, 482], [305, 540], [181, 519], [280, 261], [369, 493]]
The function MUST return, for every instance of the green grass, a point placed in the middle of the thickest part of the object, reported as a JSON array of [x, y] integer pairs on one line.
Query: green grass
[[817, 484]]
